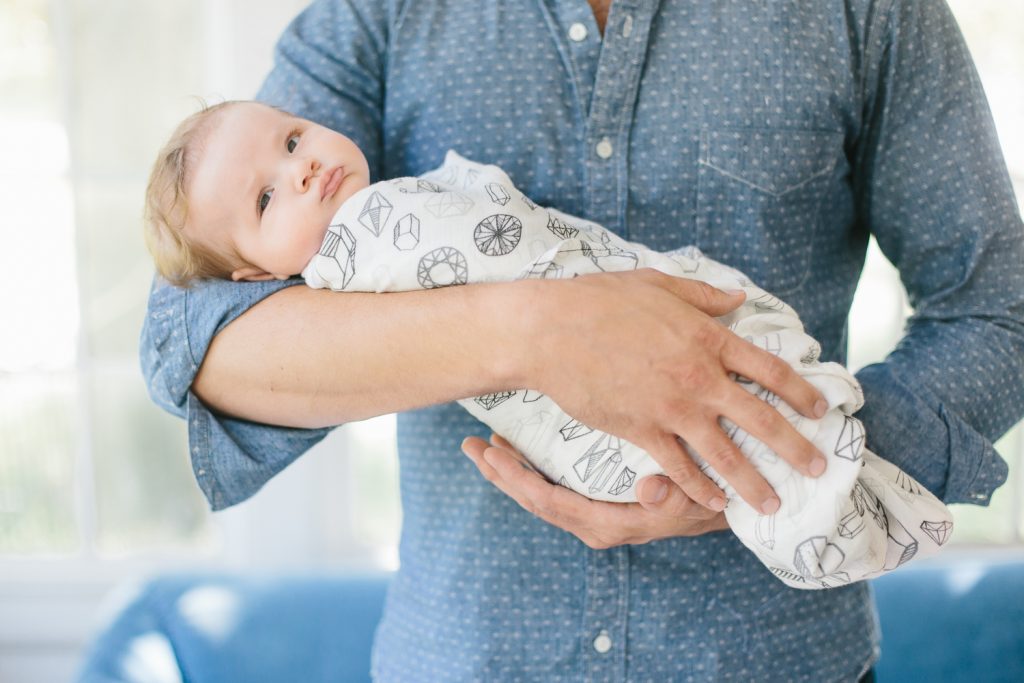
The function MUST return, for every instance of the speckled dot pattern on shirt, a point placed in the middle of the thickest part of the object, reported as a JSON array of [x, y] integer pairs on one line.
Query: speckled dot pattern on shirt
[[752, 130]]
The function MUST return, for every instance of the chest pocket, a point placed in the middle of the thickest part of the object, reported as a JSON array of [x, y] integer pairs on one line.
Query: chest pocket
[[760, 200]]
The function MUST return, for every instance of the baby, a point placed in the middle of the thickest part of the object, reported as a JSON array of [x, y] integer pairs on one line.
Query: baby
[[248, 192]]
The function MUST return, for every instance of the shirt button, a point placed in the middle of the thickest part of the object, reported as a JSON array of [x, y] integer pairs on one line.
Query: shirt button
[[603, 642], [578, 32], [604, 148]]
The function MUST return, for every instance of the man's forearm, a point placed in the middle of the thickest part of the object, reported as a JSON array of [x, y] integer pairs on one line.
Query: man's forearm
[[311, 358]]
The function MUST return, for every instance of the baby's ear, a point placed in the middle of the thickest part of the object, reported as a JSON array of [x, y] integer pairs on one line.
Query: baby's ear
[[250, 274]]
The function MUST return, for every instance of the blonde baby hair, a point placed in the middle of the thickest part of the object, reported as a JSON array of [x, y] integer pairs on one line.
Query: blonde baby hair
[[179, 257]]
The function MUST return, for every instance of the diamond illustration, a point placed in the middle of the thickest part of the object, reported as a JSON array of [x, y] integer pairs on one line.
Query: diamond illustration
[[689, 266], [866, 502], [764, 531], [907, 483], [497, 235], [545, 270], [427, 186], [528, 202], [574, 429], [610, 259], [772, 343], [834, 579], [561, 229], [336, 262], [407, 232], [529, 396], [448, 205], [851, 439], [451, 174], [816, 557], [599, 462], [851, 525], [769, 397], [901, 545], [523, 433], [499, 195], [787, 575], [767, 302], [938, 531], [812, 354], [375, 213], [736, 433], [442, 267], [623, 481], [489, 401]]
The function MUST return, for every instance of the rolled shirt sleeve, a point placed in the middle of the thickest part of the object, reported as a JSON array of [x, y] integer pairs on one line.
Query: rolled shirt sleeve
[[932, 185], [231, 458]]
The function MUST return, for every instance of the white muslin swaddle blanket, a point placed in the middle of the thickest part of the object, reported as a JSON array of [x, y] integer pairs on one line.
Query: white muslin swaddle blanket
[[466, 222]]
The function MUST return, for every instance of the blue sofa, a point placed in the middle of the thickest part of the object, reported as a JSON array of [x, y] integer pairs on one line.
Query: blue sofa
[[951, 620]]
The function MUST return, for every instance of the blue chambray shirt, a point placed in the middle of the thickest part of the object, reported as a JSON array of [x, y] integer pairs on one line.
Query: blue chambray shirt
[[774, 135]]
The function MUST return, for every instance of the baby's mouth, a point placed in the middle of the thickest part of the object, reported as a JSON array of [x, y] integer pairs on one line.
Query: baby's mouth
[[331, 181]]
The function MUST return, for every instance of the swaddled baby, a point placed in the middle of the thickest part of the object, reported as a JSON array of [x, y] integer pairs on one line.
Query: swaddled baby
[[269, 195]]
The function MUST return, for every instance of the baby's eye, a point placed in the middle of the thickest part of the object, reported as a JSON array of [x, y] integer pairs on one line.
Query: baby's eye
[[293, 142], [264, 200]]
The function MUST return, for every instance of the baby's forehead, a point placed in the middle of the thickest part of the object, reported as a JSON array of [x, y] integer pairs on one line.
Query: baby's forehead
[[255, 113]]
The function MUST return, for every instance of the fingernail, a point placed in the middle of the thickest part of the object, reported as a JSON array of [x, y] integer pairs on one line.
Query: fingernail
[[816, 467], [656, 491], [717, 503], [490, 455], [820, 408], [770, 506], [734, 292]]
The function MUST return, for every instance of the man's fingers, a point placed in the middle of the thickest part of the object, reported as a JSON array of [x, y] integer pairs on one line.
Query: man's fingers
[[598, 524], [761, 419], [774, 374], [500, 441], [516, 478], [721, 453], [660, 496], [588, 520], [681, 469], [706, 298], [474, 447]]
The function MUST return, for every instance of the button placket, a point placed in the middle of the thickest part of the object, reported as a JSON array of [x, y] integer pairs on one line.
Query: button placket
[[606, 606], [611, 106]]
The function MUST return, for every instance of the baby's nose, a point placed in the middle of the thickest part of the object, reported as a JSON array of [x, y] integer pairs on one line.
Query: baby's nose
[[307, 170]]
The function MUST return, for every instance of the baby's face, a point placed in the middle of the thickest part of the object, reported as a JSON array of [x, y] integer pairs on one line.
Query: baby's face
[[268, 184]]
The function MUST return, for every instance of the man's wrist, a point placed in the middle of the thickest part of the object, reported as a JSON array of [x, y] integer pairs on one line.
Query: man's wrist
[[512, 315]]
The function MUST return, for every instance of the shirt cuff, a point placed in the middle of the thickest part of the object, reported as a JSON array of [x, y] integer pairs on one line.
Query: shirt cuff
[[916, 432], [232, 459]]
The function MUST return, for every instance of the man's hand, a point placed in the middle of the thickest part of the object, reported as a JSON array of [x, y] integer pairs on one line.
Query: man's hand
[[597, 523], [648, 362]]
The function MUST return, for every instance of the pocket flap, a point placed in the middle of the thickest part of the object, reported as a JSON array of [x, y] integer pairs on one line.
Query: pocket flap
[[772, 161]]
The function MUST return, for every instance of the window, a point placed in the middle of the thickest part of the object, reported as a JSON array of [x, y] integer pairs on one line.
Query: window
[[82, 445]]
